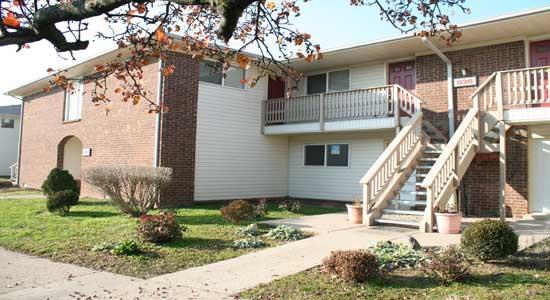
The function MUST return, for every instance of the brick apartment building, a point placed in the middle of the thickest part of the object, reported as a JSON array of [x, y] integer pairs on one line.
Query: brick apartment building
[[481, 106]]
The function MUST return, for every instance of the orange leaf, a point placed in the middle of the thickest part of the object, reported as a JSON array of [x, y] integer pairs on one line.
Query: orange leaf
[[47, 89], [243, 61], [11, 21], [168, 70], [17, 2], [118, 90], [49, 70], [160, 35]]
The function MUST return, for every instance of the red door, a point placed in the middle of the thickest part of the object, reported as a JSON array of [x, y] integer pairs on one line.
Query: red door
[[540, 57], [403, 73], [275, 88]]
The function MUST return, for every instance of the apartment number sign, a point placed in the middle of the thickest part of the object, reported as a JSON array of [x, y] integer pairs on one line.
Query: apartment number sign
[[465, 81]]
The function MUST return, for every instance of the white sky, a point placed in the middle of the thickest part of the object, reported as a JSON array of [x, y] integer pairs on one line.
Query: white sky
[[331, 23]]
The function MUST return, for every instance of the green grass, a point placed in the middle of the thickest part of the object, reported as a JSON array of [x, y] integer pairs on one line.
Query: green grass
[[12, 191], [526, 276], [27, 227]]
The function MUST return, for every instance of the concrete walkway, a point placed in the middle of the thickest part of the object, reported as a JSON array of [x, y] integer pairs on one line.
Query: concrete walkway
[[25, 277]]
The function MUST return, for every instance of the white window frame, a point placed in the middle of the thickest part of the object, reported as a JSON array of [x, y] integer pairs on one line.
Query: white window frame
[[75, 95], [327, 76], [325, 157], [2, 120], [244, 87]]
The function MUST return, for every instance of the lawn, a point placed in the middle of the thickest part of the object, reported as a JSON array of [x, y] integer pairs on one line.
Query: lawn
[[525, 276], [26, 226]]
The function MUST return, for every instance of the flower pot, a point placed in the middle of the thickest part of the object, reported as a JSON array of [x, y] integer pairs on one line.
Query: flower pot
[[448, 222], [355, 213]]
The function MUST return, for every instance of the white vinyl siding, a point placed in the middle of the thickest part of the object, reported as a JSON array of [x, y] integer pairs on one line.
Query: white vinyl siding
[[9, 138], [73, 102], [233, 159], [333, 183]]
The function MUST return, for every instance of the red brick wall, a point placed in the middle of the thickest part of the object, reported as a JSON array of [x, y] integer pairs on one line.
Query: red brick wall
[[124, 137], [178, 129], [481, 182]]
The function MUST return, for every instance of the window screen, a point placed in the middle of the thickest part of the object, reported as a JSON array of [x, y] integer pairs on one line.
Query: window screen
[[210, 72], [314, 155], [317, 84], [233, 78], [338, 81], [337, 155], [7, 123]]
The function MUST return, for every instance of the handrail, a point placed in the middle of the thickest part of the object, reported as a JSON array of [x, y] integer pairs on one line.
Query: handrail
[[13, 172], [485, 83]]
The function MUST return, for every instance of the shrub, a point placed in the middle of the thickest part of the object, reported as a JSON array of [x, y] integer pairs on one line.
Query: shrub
[[291, 205], [247, 243], [125, 248], [260, 209], [285, 233], [61, 202], [133, 190], [59, 180], [392, 256], [237, 211], [352, 265], [159, 228], [489, 239], [250, 230], [447, 265]]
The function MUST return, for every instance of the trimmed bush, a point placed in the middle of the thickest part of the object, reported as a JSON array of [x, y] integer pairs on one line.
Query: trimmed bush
[[260, 209], [447, 265], [294, 206], [61, 202], [133, 190], [237, 211], [353, 265], [159, 228], [489, 240], [59, 180], [285, 233]]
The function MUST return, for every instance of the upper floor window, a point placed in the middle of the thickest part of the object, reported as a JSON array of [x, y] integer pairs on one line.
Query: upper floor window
[[7, 123], [328, 82], [73, 102], [211, 72]]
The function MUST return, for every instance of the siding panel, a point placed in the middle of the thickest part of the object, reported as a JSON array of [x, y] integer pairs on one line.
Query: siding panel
[[233, 159]]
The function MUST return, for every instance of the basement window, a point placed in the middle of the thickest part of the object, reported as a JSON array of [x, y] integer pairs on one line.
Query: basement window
[[73, 102], [329, 155], [7, 123], [211, 72]]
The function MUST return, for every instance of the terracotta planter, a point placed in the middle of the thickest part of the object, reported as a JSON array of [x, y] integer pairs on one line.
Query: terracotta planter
[[448, 222], [355, 213]]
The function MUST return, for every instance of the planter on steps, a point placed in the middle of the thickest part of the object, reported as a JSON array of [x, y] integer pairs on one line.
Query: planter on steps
[[355, 213], [448, 222]]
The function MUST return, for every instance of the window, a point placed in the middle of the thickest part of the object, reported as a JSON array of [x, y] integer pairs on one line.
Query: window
[[330, 155], [328, 82], [7, 123], [211, 72], [314, 155], [73, 102]]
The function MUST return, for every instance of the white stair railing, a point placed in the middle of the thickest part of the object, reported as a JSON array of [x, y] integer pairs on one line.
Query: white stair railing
[[380, 179], [14, 170]]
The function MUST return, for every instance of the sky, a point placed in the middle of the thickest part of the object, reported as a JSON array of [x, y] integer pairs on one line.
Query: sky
[[332, 23]]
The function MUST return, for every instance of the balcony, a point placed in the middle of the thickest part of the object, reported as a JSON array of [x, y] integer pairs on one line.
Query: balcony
[[361, 109]]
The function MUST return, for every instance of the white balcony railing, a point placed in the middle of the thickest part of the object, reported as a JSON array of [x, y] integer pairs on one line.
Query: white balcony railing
[[346, 105]]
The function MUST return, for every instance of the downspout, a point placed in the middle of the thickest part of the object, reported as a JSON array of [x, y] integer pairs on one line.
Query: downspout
[[450, 92], [160, 88]]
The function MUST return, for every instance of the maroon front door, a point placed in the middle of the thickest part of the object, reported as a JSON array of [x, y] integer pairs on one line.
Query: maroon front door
[[275, 88], [404, 74], [540, 57]]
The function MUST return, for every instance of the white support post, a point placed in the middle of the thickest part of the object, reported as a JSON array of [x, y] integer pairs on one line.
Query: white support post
[[365, 203], [428, 223], [502, 164], [322, 112], [396, 108], [498, 95]]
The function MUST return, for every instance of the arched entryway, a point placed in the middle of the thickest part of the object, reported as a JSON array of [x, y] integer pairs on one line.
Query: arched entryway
[[69, 155]]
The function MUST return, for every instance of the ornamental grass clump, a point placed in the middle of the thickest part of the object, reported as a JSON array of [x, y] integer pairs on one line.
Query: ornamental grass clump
[[159, 228], [489, 240], [134, 190], [352, 265]]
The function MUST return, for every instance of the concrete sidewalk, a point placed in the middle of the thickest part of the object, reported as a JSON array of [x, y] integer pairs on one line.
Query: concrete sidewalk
[[25, 277]]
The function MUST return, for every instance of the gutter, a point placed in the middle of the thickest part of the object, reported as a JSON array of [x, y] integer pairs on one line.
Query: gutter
[[160, 88], [450, 91]]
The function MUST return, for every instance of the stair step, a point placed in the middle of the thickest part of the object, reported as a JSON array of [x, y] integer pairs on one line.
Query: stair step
[[409, 202], [420, 193], [421, 175], [404, 212], [397, 222], [428, 159], [424, 167]]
